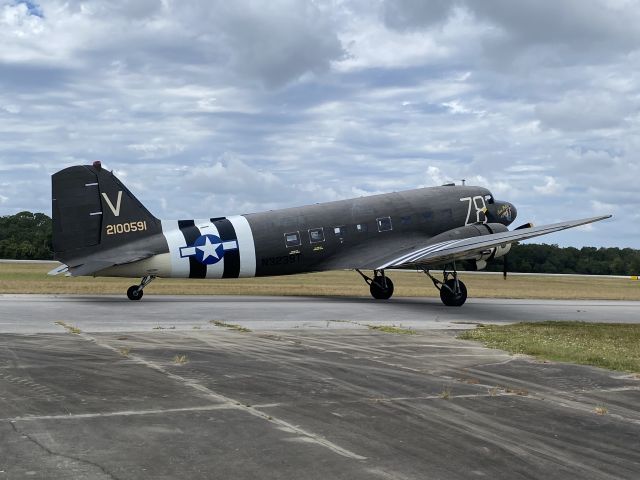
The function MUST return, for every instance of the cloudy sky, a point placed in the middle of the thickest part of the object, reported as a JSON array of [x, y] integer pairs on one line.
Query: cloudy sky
[[207, 108]]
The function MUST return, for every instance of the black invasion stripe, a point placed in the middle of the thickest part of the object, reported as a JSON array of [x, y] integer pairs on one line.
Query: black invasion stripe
[[191, 233], [231, 257]]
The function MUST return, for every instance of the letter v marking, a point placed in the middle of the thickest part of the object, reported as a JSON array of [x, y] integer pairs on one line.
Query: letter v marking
[[116, 209]]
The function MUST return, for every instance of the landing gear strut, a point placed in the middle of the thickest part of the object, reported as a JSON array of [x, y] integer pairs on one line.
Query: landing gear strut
[[380, 286], [135, 291], [453, 292]]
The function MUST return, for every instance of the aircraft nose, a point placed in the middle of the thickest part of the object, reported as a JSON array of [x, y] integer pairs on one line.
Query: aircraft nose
[[506, 212]]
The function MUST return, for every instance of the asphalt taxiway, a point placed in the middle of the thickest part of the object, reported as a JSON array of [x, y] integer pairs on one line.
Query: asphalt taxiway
[[38, 313], [157, 389]]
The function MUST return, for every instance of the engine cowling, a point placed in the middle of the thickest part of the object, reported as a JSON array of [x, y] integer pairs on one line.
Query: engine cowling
[[477, 230], [491, 253]]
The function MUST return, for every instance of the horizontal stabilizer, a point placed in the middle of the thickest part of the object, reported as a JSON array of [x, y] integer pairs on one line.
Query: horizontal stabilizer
[[109, 258], [58, 270]]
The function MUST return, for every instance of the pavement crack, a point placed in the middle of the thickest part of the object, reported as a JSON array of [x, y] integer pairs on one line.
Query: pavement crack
[[233, 403], [61, 455]]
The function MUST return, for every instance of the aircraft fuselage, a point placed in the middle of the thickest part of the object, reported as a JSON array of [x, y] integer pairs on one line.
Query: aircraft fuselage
[[343, 234]]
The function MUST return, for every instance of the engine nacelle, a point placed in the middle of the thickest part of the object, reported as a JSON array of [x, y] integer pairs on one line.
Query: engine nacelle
[[491, 253], [477, 230]]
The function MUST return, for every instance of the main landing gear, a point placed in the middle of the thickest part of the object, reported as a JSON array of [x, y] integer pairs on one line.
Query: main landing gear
[[135, 291], [380, 286], [453, 292]]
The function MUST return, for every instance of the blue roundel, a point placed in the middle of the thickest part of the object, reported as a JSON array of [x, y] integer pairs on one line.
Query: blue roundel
[[209, 249]]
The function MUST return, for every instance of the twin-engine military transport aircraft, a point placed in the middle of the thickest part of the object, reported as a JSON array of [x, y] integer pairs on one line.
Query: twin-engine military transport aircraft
[[101, 229]]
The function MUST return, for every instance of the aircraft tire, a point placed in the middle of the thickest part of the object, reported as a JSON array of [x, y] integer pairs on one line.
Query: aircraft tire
[[380, 291], [133, 293], [451, 299]]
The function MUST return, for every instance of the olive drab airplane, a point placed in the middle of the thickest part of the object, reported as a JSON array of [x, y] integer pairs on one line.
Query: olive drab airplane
[[101, 229]]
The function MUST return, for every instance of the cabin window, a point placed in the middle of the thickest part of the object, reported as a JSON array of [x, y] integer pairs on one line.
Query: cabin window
[[316, 235], [292, 239], [405, 220], [340, 231], [362, 227], [384, 224], [427, 216]]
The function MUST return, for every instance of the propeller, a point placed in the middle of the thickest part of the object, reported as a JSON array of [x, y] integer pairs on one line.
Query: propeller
[[504, 266], [505, 263]]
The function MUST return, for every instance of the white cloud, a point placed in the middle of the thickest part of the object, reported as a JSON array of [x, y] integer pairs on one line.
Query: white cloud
[[156, 149], [550, 187], [579, 111], [11, 108], [435, 177]]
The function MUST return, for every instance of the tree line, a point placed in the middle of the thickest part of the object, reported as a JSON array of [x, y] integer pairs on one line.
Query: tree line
[[27, 236], [542, 258]]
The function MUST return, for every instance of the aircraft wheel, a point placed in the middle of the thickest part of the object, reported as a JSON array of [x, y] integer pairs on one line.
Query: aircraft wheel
[[451, 299], [133, 293], [381, 288]]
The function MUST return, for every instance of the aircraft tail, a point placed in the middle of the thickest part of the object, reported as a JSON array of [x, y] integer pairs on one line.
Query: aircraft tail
[[97, 221]]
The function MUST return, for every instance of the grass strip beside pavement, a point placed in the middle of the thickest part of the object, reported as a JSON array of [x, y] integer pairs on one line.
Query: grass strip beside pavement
[[33, 278], [615, 346]]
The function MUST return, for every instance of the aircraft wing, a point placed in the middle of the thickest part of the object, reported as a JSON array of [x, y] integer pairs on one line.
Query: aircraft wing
[[465, 248]]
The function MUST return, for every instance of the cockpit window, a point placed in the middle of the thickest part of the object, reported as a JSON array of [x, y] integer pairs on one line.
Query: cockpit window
[[489, 199]]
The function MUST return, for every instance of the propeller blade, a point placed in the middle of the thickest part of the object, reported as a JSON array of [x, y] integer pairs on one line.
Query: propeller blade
[[504, 266], [526, 225]]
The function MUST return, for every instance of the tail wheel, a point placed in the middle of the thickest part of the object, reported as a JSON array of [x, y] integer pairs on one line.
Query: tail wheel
[[452, 296], [134, 292], [381, 288]]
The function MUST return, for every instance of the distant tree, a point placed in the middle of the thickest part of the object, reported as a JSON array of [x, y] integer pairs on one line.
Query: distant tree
[[26, 236], [542, 258]]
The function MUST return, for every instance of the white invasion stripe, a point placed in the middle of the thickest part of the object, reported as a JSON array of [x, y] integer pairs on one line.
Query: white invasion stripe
[[95, 213], [433, 250], [175, 240], [215, 270], [403, 258], [422, 251], [440, 248], [90, 184], [246, 245], [419, 254], [449, 244]]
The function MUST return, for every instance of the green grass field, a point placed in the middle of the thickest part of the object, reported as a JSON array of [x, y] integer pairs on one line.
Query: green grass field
[[607, 345], [32, 278]]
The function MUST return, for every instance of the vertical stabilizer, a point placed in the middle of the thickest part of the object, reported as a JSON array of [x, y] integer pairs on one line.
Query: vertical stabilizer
[[94, 213]]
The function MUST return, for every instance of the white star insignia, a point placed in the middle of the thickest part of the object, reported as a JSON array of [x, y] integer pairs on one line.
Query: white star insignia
[[208, 249]]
